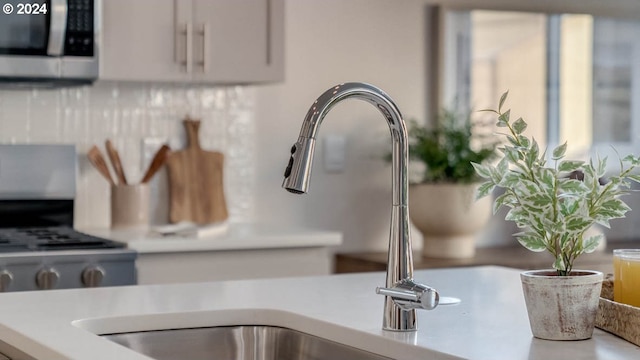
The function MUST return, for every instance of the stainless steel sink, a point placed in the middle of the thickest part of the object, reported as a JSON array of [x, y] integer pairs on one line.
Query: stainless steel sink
[[237, 343]]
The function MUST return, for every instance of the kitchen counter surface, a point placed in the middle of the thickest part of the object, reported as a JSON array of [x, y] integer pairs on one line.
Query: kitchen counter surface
[[490, 322], [230, 237]]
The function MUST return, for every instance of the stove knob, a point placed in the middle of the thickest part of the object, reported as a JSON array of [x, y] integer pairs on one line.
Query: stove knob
[[92, 276], [47, 278], [6, 278]]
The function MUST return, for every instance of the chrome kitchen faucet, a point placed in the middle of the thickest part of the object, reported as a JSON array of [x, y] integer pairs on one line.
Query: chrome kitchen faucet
[[402, 295]]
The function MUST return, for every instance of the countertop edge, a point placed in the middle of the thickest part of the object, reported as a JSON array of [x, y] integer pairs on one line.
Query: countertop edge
[[238, 237]]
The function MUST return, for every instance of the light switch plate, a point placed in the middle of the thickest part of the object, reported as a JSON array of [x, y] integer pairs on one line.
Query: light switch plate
[[335, 150]]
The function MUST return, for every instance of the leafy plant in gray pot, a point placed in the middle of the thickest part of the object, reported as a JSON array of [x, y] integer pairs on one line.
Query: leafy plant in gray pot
[[554, 211]]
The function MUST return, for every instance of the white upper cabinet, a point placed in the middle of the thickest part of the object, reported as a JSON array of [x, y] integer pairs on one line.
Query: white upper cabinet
[[197, 41]]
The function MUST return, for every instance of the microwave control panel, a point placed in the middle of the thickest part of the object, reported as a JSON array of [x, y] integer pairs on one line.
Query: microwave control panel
[[79, 39]]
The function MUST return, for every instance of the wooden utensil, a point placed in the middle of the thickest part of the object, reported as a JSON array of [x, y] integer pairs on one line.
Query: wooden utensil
[[115, 162], [96, 158], [195, 181], [156, 163]]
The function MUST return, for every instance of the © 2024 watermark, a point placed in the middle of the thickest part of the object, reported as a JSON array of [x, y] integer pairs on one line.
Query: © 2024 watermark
[[20, 8]]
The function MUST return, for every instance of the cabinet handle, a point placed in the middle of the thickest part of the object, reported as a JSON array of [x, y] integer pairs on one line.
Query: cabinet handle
[[204, 32], [268, 33], [187, 32]]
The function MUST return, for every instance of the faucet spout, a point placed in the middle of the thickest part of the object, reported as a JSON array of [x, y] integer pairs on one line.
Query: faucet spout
[[400, 305]]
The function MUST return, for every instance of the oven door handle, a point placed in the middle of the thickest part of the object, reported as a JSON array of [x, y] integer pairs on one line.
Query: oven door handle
[[58, 27]]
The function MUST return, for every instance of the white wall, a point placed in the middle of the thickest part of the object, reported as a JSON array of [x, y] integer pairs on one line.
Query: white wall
[[328, 42]]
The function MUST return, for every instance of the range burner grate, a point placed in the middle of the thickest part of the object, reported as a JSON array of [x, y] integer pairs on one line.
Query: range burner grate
[[51, 238]]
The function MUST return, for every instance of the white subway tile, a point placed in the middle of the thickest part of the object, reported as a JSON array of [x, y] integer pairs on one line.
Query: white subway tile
[[128, 113]]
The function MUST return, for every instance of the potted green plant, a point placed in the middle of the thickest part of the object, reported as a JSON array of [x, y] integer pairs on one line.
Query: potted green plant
[[442, 203], [554, 212]]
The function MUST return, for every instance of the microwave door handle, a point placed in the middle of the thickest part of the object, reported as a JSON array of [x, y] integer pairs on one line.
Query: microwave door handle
[[58, 27]]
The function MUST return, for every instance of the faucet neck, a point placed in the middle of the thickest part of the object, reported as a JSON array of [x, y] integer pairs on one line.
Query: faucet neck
[[391, 113]]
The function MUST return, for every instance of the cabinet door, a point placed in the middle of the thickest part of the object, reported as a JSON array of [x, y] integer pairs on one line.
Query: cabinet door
[[238, 41], [145, 40]]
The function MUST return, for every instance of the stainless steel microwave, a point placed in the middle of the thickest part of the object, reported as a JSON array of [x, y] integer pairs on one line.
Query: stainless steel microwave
[[51, 42]]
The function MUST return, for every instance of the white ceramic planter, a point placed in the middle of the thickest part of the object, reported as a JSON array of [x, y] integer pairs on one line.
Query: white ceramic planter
[[449, 217], [562, 307]]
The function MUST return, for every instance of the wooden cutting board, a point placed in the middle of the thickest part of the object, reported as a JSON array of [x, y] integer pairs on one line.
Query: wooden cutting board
[[195, 181]]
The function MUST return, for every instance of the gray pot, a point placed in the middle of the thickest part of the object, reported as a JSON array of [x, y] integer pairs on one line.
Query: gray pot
[[562, 307], [449, 218]]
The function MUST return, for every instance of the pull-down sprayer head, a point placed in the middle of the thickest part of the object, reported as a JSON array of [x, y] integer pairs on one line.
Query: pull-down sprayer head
[[298, 172]]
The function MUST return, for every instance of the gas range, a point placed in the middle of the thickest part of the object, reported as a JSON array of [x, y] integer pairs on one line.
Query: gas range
[[39, 248]]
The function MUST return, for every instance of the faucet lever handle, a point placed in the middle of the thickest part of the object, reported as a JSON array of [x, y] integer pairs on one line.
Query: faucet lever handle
[[409, 295]]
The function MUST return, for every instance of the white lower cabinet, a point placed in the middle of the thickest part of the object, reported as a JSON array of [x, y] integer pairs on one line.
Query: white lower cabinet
[[178, 267]]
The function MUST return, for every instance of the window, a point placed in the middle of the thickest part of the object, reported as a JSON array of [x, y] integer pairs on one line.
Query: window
[[572, 77]]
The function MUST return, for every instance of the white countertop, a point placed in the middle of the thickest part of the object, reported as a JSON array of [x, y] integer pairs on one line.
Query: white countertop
[[490, 323], [236, 237]]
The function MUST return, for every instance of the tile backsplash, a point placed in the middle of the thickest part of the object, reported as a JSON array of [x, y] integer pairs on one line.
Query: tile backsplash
[[132, 115]]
